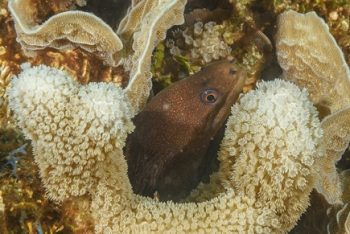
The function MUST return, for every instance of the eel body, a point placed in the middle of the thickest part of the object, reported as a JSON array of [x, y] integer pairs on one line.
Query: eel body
[[168, 147]]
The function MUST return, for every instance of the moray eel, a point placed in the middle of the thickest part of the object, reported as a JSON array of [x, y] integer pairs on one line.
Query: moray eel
[[172, 133]]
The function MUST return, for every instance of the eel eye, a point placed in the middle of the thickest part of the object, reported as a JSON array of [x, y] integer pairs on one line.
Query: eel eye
[[232, 72], [210, 96]]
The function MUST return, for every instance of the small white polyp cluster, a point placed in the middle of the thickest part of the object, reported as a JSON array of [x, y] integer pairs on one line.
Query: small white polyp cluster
[[76, 130], [206, 42], [272, 142]]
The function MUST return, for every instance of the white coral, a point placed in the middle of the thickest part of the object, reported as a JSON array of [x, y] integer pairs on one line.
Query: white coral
[[205, 42], [272, 141], [76, 130]]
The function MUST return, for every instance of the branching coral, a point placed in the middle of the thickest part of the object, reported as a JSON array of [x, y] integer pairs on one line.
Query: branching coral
[[270, 157], [315, 64], [78, 149], [50, 114]]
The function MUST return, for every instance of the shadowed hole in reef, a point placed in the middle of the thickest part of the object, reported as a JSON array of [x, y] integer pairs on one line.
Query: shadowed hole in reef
[[110, 11], [344, 162], [320, 216]]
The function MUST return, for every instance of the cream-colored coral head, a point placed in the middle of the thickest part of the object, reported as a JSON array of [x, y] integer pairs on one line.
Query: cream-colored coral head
[[270, 147], [77, 131], [311, 58]]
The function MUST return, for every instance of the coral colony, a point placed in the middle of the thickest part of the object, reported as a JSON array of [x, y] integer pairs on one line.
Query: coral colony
[[76, 157], [275, 151], [205, 41]]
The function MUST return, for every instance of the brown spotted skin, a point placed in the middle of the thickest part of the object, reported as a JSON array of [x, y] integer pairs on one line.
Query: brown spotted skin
[[173, 132]]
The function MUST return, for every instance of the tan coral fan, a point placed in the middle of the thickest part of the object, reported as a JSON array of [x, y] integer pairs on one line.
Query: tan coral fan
[[77, 131], [133, 19], [310, 57], [160, 17], [66, 30], [336, 129], [338, 221]]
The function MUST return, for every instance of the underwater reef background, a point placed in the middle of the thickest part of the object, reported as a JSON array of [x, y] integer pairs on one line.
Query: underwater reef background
[[243, 30]]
